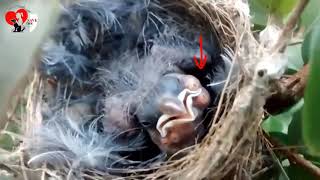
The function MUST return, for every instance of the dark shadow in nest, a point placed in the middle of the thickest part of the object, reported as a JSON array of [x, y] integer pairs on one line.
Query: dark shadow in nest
[[111, 70]]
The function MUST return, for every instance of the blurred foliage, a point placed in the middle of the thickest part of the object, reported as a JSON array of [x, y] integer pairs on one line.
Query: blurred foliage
[[305, 53], [295, 60], [311, 123], [311, 14], [296, 172], [7, 141], [261, 9], [280, 123]]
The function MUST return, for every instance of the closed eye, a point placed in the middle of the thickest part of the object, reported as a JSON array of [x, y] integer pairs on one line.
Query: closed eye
[[146, 124]]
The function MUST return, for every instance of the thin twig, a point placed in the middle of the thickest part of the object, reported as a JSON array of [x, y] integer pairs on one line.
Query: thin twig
[[262, 171], [277, 161], [289, 26]]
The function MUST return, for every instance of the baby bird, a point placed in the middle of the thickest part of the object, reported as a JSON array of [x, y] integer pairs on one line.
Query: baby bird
[[129, 64], [173, 112]]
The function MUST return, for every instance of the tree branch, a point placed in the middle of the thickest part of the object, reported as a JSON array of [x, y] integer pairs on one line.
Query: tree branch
[[289, 26], [288, 90], [294, 157]]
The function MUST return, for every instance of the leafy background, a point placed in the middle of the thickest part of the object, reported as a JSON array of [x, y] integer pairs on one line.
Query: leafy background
[[297, 126]]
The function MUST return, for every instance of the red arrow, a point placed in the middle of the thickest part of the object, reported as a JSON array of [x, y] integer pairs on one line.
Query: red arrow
[[203, 58]]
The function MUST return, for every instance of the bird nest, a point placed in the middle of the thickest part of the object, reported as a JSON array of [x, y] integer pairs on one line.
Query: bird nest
[[231, 148]]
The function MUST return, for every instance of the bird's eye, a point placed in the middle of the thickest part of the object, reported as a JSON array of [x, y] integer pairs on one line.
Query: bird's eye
[[146, 124]]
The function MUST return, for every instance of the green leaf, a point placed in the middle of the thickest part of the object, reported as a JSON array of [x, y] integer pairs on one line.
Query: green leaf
[[280, 123], [311, 114], [295, 127], [259, 10], [309, 19], [6, 141], [297, 172], [280, 137], [295, 61], [283, 7], [310, 14], [306, 47]]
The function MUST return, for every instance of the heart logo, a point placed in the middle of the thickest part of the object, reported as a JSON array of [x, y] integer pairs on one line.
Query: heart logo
[[21, 15]]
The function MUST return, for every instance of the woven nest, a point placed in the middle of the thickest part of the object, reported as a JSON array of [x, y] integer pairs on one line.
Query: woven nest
[[232, 147]]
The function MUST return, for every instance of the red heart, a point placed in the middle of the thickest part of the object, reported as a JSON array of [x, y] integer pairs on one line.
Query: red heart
[[10, 15]]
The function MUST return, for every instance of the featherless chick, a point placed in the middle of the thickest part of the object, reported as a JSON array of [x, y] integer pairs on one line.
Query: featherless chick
[[122, 90]]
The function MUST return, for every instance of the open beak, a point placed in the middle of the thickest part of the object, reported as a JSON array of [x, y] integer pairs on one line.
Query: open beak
[[182, 103], [184, 114]]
